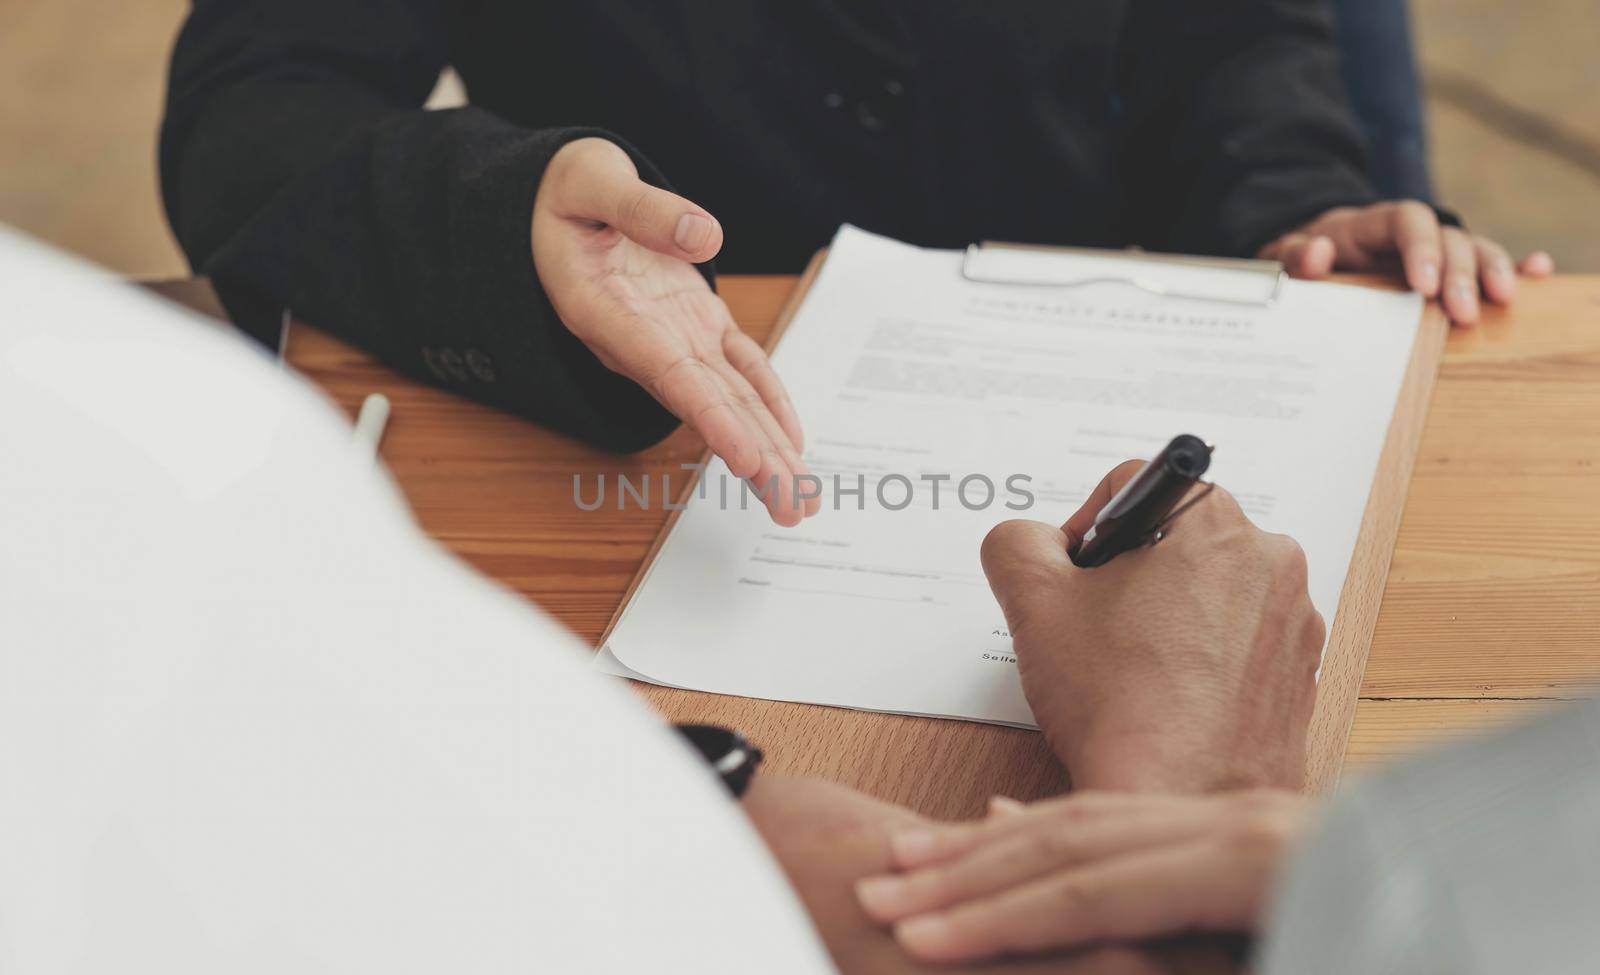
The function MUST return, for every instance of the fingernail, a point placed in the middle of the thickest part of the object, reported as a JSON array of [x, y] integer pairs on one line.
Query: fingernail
[[914, 845], [923, 935], [1504, 280], [692, 233], [1465, 294], [1004, 806], [881, 896], [1428, 278]]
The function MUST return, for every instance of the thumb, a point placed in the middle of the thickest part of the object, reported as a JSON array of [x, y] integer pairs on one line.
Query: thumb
[[665, 222], [605, 187], [1022, 560], [1304, 255], [1078, 525]]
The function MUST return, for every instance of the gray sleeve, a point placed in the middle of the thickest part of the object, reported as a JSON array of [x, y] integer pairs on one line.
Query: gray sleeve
[[1483, 857]]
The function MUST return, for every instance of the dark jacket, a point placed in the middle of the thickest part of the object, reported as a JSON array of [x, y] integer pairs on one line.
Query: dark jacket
[[299, 169]]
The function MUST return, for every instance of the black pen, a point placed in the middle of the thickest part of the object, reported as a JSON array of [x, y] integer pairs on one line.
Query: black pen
[[1135, 515]]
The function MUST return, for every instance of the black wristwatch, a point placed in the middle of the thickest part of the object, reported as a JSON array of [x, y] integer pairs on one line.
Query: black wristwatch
[[727, 752]]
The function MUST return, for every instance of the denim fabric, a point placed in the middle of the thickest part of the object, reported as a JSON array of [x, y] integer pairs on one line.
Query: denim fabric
[[1380, 71]]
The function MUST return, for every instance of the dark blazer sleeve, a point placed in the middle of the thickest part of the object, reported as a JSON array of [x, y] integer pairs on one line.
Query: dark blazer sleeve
[[299, 170], [1238, 126]]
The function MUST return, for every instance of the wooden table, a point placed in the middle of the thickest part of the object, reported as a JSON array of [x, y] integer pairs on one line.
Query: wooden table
[[1491, 612]]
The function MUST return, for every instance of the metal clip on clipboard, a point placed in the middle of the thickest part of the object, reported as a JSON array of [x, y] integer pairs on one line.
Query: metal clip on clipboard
[[1224, 280]]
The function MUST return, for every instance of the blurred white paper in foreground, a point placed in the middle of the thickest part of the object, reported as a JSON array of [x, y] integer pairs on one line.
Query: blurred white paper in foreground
[[252, 720]]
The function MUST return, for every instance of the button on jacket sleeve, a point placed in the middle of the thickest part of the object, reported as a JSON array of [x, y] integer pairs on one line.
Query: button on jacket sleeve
[[299, 170], [1239, 129]]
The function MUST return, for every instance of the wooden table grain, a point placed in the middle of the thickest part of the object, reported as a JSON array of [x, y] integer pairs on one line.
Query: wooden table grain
[[1491, 611]]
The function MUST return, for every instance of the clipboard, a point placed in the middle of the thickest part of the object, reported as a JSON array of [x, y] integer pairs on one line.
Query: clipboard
[[1250, 283], [1350, 633]]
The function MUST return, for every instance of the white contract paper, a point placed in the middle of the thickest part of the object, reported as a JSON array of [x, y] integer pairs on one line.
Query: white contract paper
[[936, 407]]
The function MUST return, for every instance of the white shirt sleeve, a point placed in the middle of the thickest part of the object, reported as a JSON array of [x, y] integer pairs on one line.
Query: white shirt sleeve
[[252, 720]]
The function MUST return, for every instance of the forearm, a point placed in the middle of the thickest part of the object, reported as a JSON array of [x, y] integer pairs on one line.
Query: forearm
[[300, 172], [1240, 127], [1172, 764], [827, 837], [1175, 741]]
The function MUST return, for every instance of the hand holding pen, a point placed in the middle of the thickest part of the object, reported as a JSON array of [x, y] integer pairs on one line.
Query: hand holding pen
[[1141, 510], [1188, 665]]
